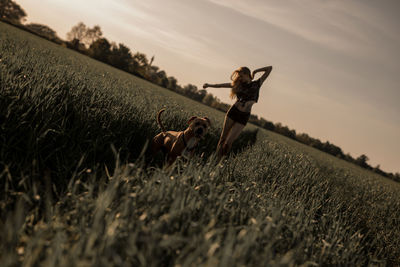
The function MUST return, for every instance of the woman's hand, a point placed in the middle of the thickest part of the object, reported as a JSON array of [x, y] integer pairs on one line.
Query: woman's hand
[[266, 70], [206, 85]]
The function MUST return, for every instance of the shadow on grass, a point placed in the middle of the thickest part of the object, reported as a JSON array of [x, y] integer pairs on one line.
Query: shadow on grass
[[246, 138]]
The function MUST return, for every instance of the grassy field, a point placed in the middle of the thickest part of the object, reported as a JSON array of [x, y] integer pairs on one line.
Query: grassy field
[[74, 190]]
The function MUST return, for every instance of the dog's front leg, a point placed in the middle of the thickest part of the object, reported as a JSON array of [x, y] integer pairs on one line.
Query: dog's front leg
[[174, 153], [171, 160]]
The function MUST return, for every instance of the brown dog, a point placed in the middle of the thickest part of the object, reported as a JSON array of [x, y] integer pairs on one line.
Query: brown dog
[[179, 143]]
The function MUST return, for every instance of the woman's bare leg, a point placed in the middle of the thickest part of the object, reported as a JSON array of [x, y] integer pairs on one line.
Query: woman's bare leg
[[232, 136], [228, 123]]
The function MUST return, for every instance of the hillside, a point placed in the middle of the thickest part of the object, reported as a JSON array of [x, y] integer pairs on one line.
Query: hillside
[[75, 190]]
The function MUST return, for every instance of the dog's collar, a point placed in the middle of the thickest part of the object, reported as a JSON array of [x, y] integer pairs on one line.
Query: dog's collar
[[184, 141]]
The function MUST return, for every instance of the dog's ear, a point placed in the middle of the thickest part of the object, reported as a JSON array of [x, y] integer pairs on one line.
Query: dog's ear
[[191, 119], [208, 120]]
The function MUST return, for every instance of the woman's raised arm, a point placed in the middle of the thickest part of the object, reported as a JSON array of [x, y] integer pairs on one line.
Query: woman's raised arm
[[218, 85], [266, 70]]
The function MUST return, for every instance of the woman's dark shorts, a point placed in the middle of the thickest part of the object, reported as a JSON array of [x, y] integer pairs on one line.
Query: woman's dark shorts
[[238, 116]]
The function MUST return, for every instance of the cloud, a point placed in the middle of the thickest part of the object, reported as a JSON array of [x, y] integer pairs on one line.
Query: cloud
[[344, 25], [159, 23]]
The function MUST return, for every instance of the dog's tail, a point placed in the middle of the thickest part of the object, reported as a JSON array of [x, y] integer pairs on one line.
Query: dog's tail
[[159, 120]]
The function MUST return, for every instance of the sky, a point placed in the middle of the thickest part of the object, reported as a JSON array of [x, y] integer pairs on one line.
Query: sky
[[336, 64]]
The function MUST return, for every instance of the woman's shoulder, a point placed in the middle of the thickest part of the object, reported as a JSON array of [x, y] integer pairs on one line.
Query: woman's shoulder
[[251, 84], [255, 83]]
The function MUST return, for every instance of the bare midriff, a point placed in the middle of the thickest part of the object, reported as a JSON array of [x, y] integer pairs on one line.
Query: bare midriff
[[244, 106]]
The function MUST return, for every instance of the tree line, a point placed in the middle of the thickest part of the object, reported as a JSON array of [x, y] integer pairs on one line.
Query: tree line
[[91, 42]]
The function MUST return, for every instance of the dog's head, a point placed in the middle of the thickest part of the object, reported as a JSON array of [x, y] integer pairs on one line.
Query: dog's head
[[199, 126]]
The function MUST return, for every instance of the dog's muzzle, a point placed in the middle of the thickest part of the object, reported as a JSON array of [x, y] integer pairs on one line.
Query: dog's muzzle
[[199, 132]]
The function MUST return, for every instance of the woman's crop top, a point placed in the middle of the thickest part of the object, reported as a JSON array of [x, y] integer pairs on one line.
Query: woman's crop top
[[249, 92]]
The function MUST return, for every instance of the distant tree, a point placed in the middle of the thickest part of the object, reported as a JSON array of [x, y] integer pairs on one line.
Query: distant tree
[[267, 124], [100, 49], [77, 32], [162, 76], [221, 106], [153, 69], [349, 158], [284, 130], [316, 143], [84, 34], [11, 11], [172, 83], [77, 45], [278, 126], [93, 34], [151, 73], [292, 134], [120, 56], [378, 170], [190, 88], [362, 161], [191, 91], [141, 59], [201, 94], [44, 31], [179, 89], [303, 138], [332, 149], [151, 60], [208, 99]]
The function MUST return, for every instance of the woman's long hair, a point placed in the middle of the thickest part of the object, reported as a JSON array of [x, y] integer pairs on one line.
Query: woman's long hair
[[237, 81]]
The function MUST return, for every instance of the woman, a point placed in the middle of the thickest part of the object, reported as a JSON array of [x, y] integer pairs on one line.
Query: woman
[[246, 92]]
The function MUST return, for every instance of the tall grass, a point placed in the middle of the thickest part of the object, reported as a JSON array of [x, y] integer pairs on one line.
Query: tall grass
[[75, 190]]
